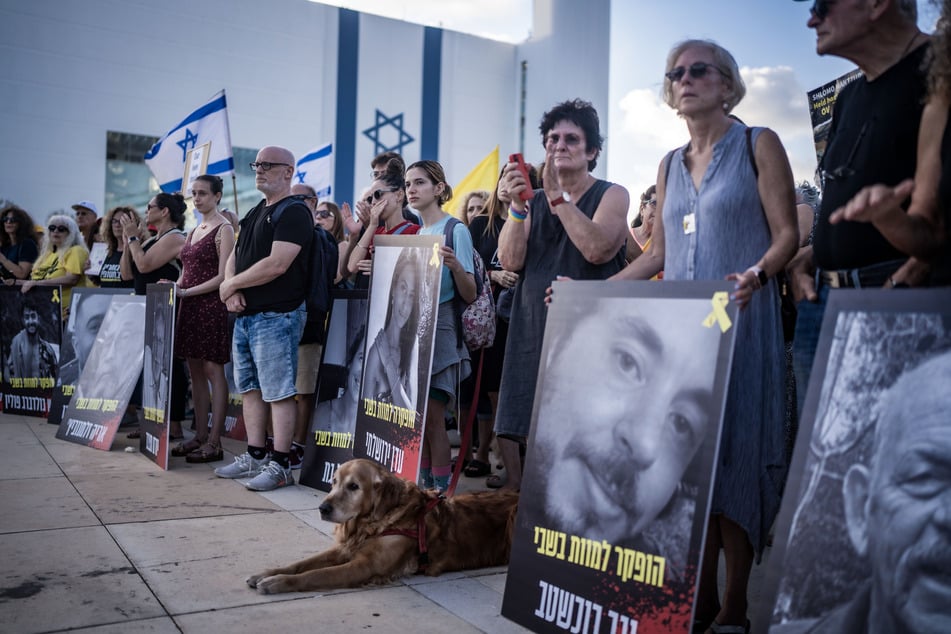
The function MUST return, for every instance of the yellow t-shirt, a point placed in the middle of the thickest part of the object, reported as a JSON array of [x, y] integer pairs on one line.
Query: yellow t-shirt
[[52, 266]]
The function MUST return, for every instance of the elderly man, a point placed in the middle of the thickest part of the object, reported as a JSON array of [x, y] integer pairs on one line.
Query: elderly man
[[872, 140], [87, 219], [266, 284]]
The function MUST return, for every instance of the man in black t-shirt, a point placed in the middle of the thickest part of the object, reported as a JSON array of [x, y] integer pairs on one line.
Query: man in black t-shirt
[[266, 284], [872, 139]]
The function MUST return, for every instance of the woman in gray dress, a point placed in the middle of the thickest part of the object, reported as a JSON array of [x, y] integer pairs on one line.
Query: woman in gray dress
[[728, 207]]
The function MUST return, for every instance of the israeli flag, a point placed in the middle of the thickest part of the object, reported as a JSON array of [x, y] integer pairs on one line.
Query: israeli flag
[[315, 168], [207, 124]]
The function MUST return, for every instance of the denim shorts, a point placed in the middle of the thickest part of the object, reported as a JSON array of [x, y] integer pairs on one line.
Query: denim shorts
[[264, 352]]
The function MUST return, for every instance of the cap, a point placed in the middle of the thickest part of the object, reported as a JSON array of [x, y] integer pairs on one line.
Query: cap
[[86, 204]]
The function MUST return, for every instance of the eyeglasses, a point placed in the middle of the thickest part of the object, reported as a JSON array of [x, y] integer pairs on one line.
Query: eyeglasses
[[820, 8], [696, 70], [58, 228], [570, 139], [323, 213], [152, 206], [844, 171], [378, 194], [265, 165], [10, 219]]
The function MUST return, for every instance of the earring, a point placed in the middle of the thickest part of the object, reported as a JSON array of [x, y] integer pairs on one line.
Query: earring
[[726, 106]]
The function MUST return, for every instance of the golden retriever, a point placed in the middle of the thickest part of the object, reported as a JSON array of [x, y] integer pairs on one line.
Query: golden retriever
[[377, 517]]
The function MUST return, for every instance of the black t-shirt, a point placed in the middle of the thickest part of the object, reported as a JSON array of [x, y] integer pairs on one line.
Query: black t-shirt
[[287, 291], [110, 275], [873, 139], [168, 271]]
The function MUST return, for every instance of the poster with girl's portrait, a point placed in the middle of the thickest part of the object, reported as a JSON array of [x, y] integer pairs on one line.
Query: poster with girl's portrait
[[332, 426], [30, 338], [401, 328]]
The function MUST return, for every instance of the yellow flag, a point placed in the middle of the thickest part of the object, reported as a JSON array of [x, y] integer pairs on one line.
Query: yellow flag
[[485, 176]]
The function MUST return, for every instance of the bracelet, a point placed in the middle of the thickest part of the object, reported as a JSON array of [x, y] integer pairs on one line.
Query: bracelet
[[516, 215]]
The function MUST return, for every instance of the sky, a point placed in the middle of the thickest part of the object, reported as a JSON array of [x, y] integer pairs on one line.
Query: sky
[[768, 38]]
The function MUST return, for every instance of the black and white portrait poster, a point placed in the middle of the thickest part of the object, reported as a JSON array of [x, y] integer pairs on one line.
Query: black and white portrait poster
[[30, 337], [621, 457], [401, 327], [331, 434], [863, 539], [88, 308], [157, 371], [111, 372]]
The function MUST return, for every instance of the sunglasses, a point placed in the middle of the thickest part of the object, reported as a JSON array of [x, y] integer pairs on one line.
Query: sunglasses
[[652, 202], [696, 70], [323, 213], [378, 194], [58, 228], [265, 165], [10, 219], [820, 9]]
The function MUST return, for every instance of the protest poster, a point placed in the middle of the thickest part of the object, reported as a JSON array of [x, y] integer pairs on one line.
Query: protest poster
[[157, 372], [862, 534], [821, 103], [621, 457], [401, 328], [109, 376], [332, 426], [88, 308], [30, 344]]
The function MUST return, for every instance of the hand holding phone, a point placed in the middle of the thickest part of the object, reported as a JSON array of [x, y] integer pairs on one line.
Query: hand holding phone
[[527, 193]]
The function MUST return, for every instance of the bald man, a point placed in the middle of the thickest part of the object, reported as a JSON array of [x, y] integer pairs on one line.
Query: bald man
[[265, 285]]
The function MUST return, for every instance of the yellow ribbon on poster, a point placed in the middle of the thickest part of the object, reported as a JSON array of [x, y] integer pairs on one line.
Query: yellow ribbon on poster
[[55, 295], [171, 295], [434, 261], [718, 314]]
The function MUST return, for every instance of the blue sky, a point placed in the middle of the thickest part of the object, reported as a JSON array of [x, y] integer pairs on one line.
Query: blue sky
[[769, 39]]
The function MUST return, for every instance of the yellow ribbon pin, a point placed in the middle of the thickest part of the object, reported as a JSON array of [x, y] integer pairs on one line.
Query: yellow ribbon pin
[[718, 314], [434, 261], [55, 295], [171, 295]]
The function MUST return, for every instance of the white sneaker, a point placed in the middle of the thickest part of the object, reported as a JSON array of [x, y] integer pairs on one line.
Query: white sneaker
[[244, 466], [271, 477]]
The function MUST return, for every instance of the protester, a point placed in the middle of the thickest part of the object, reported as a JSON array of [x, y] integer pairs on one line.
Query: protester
[[745, 232], [871, 140], [61, 260], [472, 205], [202, 335], [17, 244], [643, 225], [427, 191], [574, 226], [110, 273], [378, 167], [148, 259], [87, 219], [328, 216], [266, 285]]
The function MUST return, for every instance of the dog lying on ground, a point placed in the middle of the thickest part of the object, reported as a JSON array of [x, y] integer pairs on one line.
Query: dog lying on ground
[[389, 528]]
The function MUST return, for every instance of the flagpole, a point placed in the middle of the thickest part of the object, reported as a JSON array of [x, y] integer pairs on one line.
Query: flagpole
[[234, 190]]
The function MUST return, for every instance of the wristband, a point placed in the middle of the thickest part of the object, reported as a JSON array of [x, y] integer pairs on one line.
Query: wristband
[[516, 215]]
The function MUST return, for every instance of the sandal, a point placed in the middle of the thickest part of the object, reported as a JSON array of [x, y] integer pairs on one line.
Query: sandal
[[206, 453], [477, 469], [185, 448]]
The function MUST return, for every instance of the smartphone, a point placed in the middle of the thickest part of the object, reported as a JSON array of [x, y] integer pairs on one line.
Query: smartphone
[[527, 193]]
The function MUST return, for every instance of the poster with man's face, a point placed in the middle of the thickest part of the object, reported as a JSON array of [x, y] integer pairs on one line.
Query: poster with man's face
[[88, 308], [332, 426], [863, 539], [621, 456], [30, 338], [157, 371], [109, 376], [401, 328]]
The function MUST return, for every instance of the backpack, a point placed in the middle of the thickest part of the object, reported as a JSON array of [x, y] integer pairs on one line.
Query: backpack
[[321, 266], [478, 318]]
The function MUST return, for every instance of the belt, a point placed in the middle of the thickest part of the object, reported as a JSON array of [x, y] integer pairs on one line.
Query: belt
[[872, 276]]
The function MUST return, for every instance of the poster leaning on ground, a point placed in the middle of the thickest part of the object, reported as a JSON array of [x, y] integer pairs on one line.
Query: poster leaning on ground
[[863, 538], [330, 436], [157, 372], [401, 328], [621, 457], [30, 338]]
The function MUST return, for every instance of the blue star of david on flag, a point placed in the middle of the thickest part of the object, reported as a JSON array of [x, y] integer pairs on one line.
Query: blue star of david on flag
[[300, 176], [384, 124], [188, 143]]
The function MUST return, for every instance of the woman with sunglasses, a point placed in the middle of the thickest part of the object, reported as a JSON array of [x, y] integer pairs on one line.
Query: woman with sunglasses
[[62, 259], [728, 207], [386, 203], [427, 191], [643, 224], [110, 273], [329, 217], [17, 244]]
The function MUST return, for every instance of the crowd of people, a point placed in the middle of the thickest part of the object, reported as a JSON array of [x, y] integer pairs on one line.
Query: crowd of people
[[724, 207]]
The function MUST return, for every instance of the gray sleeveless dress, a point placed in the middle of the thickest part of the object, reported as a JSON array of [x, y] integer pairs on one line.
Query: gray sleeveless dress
[[731, 235], [550, 253]]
